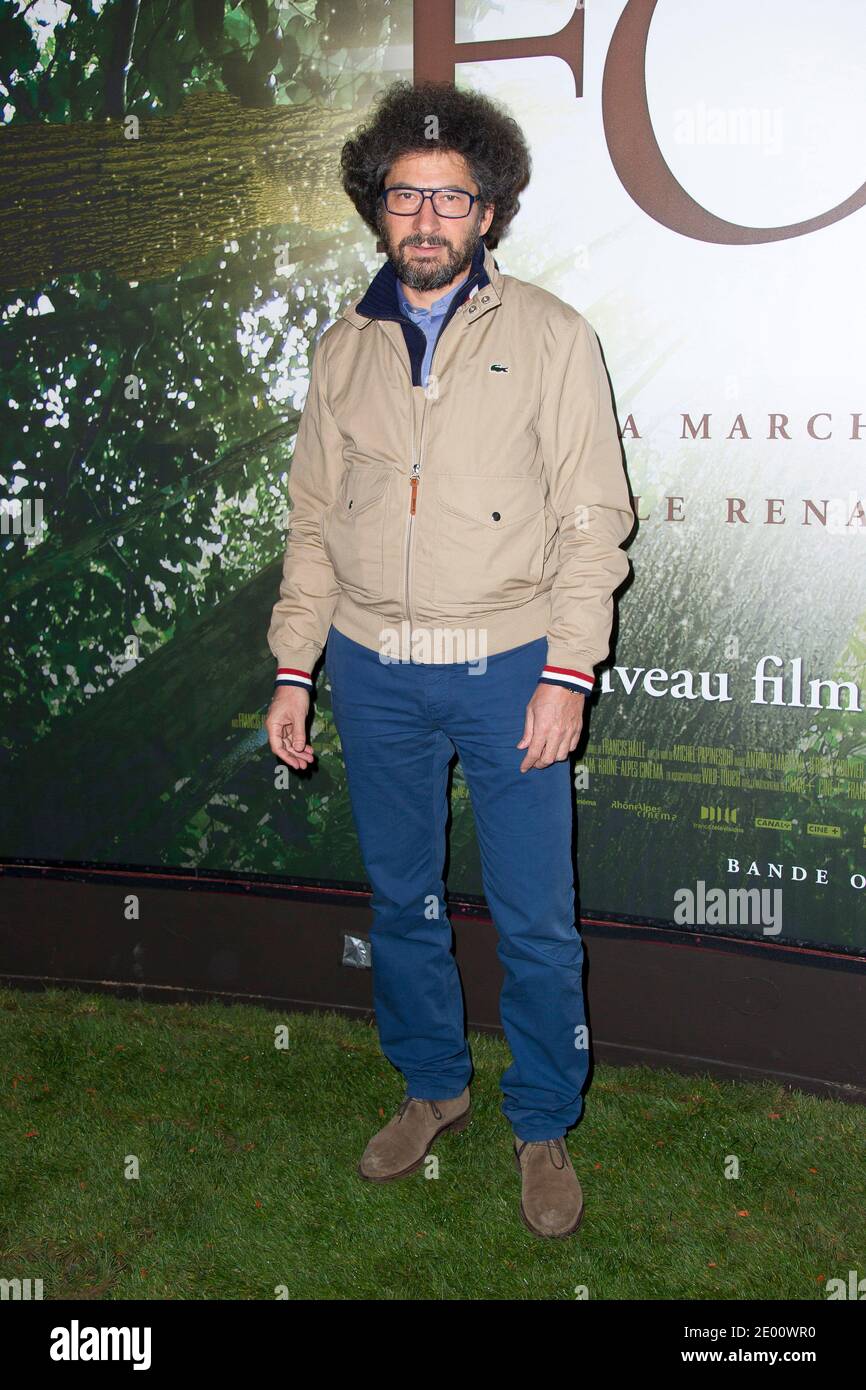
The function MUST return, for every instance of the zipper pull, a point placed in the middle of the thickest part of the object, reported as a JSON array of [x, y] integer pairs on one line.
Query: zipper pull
[[413, 483]]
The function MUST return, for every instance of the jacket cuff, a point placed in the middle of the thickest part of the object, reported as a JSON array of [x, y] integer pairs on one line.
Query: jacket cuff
[[579, 680], [291, 675]]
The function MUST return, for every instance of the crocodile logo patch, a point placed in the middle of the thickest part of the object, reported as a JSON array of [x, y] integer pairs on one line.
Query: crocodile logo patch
[[497, 367]]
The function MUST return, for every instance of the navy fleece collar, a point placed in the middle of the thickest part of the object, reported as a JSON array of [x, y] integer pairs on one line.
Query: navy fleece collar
[[381, 302]]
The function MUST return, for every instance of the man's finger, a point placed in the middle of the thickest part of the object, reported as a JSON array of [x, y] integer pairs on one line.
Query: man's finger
[[528, 722], [287, 744], [563, 750], [298, 760], [533, 753]]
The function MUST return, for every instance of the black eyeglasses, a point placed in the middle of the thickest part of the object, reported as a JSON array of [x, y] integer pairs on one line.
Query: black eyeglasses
[[405, 201]]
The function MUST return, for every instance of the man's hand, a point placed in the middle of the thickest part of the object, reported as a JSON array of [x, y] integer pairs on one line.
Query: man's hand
[[286, 724], [554, 719]]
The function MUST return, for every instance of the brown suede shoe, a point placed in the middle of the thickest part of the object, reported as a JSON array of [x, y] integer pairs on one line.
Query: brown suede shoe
[[405, 1141], [551, 1200]]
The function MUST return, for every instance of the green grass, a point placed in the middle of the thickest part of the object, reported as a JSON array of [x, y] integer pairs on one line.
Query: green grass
[[247, 1177]]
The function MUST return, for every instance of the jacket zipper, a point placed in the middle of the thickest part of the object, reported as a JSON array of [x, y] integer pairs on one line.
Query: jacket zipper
[[413, 497], [416, 469]]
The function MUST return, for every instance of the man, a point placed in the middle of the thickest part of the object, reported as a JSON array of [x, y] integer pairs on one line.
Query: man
[[458, 510]]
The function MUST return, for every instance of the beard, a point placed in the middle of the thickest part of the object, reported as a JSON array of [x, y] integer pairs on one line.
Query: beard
[[430, 273]]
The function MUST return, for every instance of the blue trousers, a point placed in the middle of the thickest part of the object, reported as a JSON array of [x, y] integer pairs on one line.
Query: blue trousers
[[400, 724]]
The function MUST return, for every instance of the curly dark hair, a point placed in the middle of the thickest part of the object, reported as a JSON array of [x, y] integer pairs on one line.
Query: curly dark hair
[[469, 124]]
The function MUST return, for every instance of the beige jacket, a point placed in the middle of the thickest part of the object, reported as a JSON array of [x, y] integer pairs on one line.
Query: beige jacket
[[491, 504]]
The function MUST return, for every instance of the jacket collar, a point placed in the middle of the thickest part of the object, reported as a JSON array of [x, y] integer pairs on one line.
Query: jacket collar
[[380, 300]]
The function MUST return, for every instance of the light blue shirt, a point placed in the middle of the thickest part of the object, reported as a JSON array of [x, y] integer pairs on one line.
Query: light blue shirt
[[428, 319]]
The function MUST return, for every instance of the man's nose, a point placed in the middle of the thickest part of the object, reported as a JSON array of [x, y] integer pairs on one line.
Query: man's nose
[[426, 220]]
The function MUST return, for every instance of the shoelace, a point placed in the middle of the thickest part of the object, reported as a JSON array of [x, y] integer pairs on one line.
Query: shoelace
[[558, 1149], [404, 1106]]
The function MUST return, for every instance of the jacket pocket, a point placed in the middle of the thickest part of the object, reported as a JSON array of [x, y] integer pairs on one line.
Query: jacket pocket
[[353, 530], [490, 540]]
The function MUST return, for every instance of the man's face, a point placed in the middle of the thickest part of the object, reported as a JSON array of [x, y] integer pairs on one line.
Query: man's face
[[453, 239]]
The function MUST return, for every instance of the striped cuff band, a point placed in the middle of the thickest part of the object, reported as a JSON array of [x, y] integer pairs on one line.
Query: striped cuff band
[[573, 680], [287, 675]]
